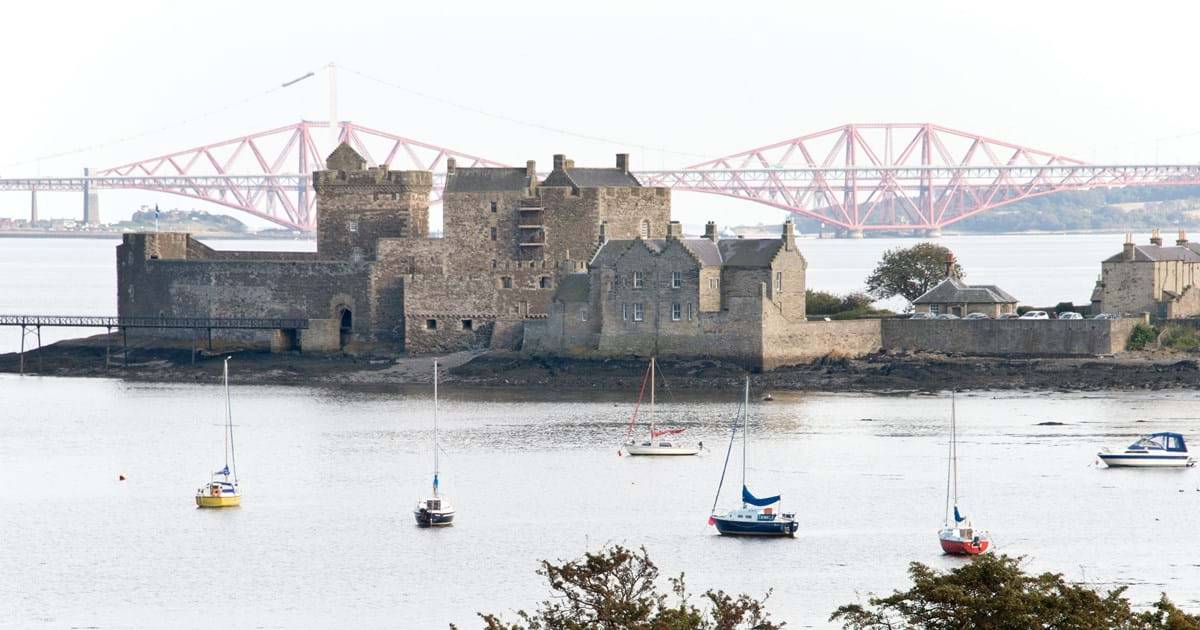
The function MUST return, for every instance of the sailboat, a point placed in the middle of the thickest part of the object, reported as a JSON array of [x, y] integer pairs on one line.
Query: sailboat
[[222, 488], [655, 444], [434, 511], [754, 518], [958, 537]]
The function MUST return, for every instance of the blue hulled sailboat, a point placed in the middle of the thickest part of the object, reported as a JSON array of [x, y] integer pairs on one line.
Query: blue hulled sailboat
[[755, 517]]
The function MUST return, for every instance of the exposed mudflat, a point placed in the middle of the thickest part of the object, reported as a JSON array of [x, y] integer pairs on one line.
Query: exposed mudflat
[[878, 373]]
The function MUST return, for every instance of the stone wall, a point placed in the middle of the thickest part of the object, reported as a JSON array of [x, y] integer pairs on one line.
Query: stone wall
[[984, 337], [360, 207], [806, 341], [447, 313]]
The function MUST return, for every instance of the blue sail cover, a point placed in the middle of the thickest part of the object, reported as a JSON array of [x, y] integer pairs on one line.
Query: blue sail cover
[[958, 518], [753, 500], [224, 471], [435, 482]]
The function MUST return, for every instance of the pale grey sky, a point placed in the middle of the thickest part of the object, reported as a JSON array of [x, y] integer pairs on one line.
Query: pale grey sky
[[1101, 81]]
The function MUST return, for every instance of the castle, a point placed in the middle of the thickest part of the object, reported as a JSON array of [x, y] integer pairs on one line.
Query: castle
[[586, 261]]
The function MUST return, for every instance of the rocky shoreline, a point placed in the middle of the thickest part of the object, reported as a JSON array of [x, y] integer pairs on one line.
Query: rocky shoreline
[[881, 373]]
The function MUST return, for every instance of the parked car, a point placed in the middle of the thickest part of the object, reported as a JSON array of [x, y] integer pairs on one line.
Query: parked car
[[1070, 315], [1009, 316], [1035, 315], [946, 316], [1106, 316], [921, 315], [976, 316]]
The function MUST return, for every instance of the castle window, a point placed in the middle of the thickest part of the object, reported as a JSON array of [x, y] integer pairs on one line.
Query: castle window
[[644, 230], [583, 314], [493, 206], [506, 282], [544, 282], [638, 279], [625, 312], [637, 312], [493, 263], [676, 312], [468, 324], [712, 283], [778, 280], [691, 310], [493, 234], [431, 324], [395, 196], [676, 279], [352, 226]]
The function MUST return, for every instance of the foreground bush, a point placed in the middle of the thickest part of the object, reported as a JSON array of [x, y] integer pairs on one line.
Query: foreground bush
[[617, 589], [1142, 335], [993, 593], [1184, 338]]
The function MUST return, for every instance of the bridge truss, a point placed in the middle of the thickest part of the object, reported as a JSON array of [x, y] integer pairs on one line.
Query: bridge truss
[[856, 177]]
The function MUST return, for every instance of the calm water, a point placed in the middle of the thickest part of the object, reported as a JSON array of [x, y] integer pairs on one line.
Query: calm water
[[330, 477]]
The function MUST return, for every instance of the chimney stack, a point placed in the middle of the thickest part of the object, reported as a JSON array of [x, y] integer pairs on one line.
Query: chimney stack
[[1156, 237], [675, 230], [558, 161], [530, 169], [1182, 239], [710, 231], [450, 166], [623, 162], [789, 235], [568, 164], [1127, 251], [949, 265]]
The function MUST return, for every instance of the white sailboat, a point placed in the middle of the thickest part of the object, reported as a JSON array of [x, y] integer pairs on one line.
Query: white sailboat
[[655, 444], [222, 488], [754, 518], [958, 537], [436, 510]]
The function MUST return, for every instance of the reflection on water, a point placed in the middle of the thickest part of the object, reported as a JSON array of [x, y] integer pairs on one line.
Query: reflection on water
[[330, 477]]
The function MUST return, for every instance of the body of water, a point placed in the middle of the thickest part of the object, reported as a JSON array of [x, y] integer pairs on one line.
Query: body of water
[[325, 536]]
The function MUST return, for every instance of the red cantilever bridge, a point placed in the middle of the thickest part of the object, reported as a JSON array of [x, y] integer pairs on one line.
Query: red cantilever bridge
[[855, 178]]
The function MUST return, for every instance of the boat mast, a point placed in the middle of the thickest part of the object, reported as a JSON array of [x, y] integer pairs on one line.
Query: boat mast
[[954, 448], [745, 431], [652, 384], [435, 427], [229, 448]]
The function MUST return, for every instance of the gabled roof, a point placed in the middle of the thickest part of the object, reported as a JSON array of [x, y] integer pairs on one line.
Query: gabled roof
[[955, 291], [1157, 253], [703, 250], [592, 178], [345, 158], [487, 180], [574, 287], [749, 252]]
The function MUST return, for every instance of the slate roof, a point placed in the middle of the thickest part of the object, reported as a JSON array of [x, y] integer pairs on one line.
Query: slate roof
[[592, 178], [749, 252], [1157, 253], [574, 287], [955, 291], [706, 251], [487, 180]]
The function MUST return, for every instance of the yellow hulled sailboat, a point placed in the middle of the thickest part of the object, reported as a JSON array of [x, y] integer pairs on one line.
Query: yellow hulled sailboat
[[222, 488]]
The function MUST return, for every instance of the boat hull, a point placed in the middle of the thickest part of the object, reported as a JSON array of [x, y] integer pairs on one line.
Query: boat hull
[[426, 518], [728, 527], [960, 547], [1134, 460], [225, 500], [639, 450]]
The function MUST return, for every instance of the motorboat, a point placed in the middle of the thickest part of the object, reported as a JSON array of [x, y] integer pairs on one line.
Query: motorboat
[[755, 517], [1154, 450], [958, 537], [654, 444], [222, 488], [436, 510]]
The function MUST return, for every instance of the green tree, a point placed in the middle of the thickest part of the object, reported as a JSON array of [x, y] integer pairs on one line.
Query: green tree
[[910, 272], [993, 593], [617, 589]]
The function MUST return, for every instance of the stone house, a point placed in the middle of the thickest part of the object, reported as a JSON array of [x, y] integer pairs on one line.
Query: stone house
[[1156, 279], [741, 300], [955, 297]]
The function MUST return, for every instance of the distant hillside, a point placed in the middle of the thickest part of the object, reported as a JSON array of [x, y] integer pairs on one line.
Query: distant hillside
[[194, 221]]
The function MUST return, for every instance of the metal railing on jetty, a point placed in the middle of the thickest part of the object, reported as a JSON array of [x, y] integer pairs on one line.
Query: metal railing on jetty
[[31, 325]]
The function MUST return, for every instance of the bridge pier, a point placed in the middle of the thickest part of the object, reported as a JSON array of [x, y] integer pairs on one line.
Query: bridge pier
[[855, 233], [33, 217], [933, 233]]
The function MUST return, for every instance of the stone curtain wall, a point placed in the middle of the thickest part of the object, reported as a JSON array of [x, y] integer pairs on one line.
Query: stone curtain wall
[[1008, 337], [462, 310], [806, 341], [360, 207]]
